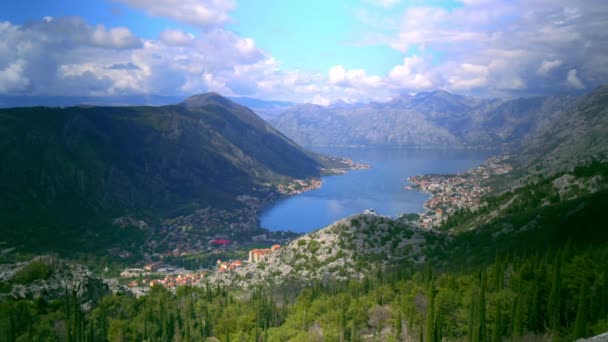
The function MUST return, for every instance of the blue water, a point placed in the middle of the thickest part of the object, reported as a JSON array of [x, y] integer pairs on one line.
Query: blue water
[[380, 188]]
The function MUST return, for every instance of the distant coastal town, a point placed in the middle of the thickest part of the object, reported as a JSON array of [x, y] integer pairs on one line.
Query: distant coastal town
[[450, 193]]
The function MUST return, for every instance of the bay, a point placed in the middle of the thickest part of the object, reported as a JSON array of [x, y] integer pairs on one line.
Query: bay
[[380, 188]]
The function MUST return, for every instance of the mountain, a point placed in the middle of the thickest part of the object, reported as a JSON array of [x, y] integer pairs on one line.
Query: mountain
[[264, 108], [67, 169], [10, 101], [575, 136], [428, 119]]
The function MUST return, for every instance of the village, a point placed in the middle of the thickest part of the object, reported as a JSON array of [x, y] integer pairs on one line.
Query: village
[[450, 193], [140, 280]]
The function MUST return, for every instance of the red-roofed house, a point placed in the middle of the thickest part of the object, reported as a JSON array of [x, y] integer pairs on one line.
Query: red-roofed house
[[220, 242]]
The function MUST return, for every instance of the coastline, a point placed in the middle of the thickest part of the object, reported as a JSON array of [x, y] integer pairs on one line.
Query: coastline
[[455, 192]]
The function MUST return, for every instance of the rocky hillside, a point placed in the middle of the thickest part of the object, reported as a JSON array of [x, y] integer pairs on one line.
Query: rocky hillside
[[428, 119], [65, 168], [575, 136], [348, 249], [49, 278]]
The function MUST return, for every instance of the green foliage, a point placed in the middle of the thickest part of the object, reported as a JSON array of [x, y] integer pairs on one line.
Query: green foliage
[[512, 297], [37, 269]]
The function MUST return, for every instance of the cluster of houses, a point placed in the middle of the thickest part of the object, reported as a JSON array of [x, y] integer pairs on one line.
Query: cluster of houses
[[171, 281], [256, 255], [226, 266], [453, 192], [174, 276], [298, 186]]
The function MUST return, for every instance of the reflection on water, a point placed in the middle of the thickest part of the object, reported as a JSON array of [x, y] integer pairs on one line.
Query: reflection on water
[[379, 188]]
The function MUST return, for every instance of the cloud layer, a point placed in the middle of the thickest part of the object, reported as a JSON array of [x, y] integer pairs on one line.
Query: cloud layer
[[491, 48]]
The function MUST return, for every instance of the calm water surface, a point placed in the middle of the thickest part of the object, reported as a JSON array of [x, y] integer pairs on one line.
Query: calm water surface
[[379, 188]]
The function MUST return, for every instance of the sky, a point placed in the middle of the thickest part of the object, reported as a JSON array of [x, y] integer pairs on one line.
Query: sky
[[302, 51]]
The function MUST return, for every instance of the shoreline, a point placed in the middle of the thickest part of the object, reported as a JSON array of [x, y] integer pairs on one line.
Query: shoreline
[[453, 192]]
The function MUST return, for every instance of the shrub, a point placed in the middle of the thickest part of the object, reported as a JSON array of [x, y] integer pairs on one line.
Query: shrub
[[35, 270]]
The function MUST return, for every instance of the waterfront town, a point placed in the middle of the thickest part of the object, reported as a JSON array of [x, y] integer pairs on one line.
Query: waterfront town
[[450, 193]]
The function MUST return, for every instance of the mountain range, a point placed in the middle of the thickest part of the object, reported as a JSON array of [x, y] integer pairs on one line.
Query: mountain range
[[428, 119]]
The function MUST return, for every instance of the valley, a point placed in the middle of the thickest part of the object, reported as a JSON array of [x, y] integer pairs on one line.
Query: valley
[[498, 232], [303, 171]]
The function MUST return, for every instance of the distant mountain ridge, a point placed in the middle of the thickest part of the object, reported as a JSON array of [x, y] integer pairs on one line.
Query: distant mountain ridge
[[266, 109], [428, 119], [8, 101]]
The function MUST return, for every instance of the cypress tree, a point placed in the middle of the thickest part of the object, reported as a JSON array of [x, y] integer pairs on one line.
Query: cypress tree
[[554, 302], [534, 315], [11, 328], [517, 317], [399, 328], [430, 315], [472, 317], [497, 333], [482, 331], [580, 325]]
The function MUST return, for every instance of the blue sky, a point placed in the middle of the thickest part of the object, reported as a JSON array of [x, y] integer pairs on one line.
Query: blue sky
[[306, 51]]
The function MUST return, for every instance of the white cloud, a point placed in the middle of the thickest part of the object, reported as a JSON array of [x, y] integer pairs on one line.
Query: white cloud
[[117, 37], [573, 79], [547, 66], [201, 13], [352, 78], [469, 76], [12, 77], [411, 75], [320, 100], [385, 3], [176, 37]]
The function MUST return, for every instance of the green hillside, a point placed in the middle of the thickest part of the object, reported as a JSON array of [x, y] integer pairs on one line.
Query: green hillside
[[70, 171]]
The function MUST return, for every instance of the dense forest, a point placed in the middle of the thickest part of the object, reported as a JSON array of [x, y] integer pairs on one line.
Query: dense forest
[[560, 295]]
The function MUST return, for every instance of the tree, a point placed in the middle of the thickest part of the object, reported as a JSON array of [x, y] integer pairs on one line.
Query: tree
[[580, 325], [430, 331], [554, 302]]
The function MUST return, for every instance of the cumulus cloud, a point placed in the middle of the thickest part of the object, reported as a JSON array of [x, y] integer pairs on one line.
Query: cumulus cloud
[[547, 66], [492, 48], [573, 79], [506, 47], [176, 37], [411, 75], [118, 37], [339, 76], [67, 56], [201, 13], [13, 78]]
